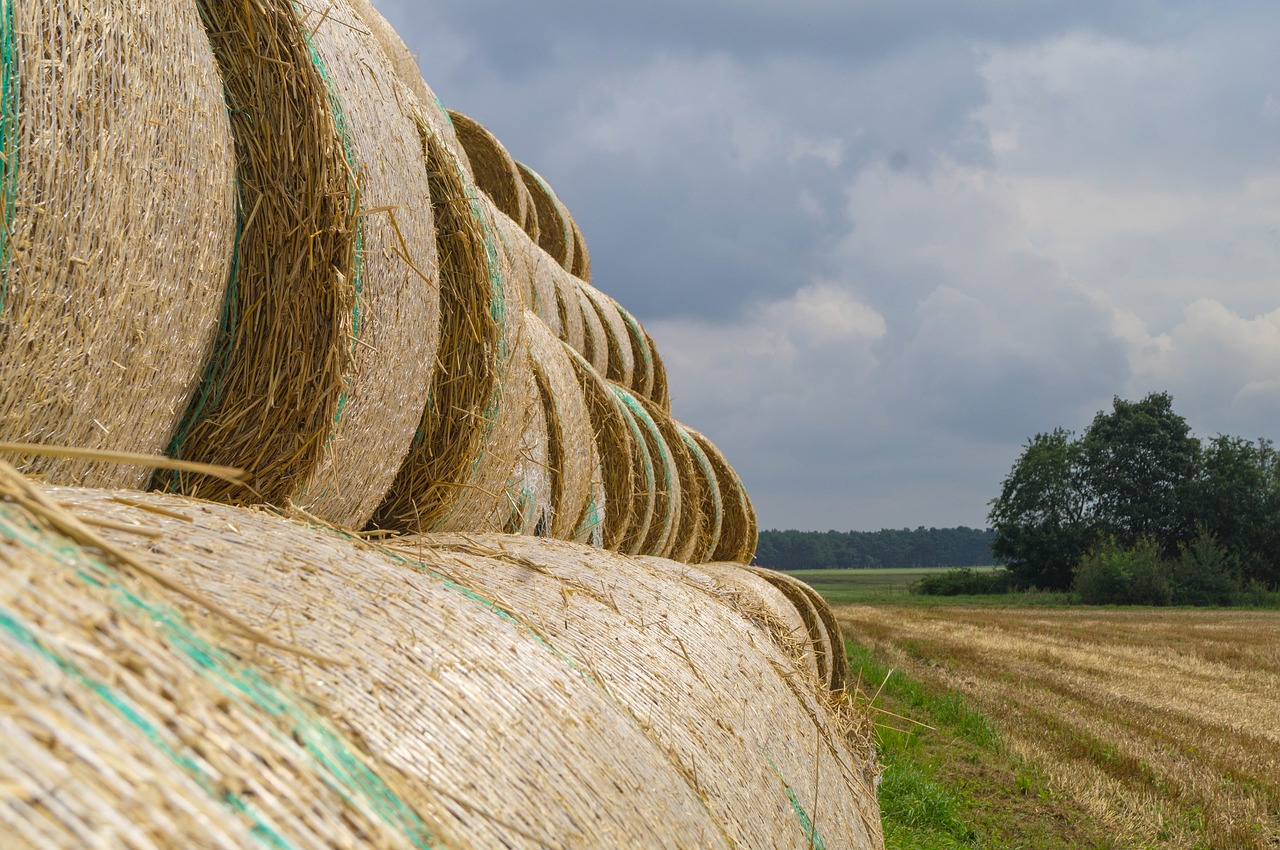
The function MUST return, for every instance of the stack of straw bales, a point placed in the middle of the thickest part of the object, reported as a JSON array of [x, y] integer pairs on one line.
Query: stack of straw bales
[[300, 265], [206, 673]]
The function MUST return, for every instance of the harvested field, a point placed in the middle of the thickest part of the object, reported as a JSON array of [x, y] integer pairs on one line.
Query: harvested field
[[1163, 725]]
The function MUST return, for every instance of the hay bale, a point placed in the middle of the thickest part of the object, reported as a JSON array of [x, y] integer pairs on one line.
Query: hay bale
[[320, 371], [709, 508], [642, 373], [620, 361], [595, 346], [644, 498], [666, 478], [117, 193], [688, 516], [446, 721], [572, 455], [736, 541], [555, 232], [661, 391], [573, 323], [824, 630], [591, 530], [469, 435], [772, 756], [615, 440], [530, 492], [581, 259], [406, 70], [495, 170]]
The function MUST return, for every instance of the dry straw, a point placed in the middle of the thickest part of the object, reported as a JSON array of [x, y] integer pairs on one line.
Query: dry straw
[[571, 445], [614, 440], [118, 201], [530, 503], [709, 509], [332, 314], [495, 170], [661, 392], [620, 361], [477, 725], [555, 229], [824, 630], [749, 731], [595, 337], [581, 259], [736, 541], [666, 478], [690, 515], [642, 373]]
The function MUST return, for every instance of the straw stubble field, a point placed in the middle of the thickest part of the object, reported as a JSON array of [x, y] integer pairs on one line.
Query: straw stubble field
[[1161, 726]]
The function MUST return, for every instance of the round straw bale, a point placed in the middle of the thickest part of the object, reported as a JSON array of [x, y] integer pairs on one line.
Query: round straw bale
[[333, 317], [595, 345], [620, 362], [644, 498], [776, 766], [735, 543], [495, 170], [530, 502], [590, 529], [555, 233], [824, 630], [666, 478], [687, 515], [709, 508], [661, 392], [573, 328], [642, 373], [467, 441], [615, 437], [117, 191], [468, 721], [572, 455], [149, 724], [765, 604], [581, 259], [406, 69]]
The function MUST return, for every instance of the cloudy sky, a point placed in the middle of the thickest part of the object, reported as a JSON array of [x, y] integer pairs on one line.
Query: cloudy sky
[[880, 243]]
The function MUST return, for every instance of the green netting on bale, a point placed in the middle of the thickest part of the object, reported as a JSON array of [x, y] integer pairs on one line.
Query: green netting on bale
[[810, 828], [8, 138], [321, 747]]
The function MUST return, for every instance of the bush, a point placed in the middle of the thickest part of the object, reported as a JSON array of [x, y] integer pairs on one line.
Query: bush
[[1204, 573], [1112, 575], [964, 582]]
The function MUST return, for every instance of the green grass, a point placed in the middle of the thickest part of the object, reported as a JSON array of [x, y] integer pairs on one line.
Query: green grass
[[849, 587], [948, 783]]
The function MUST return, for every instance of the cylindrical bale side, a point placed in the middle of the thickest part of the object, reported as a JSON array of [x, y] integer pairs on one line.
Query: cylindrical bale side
[[532, 272], [333, 314], [530, 223], [666, 478], [615, 439], [555, 234], [140, 708], [735, 543], [573, 328], [829, 638], [687, 517], [590, 528], [644, 498], [530, 493], [471, 726], [495, 170], [595, 338], [642, 373], [397, 321], [466, 444], [661, 391], [775, 611], [777, 766], [581, 259], [620, 361], [117, 192], [572, 455], [406, 69], [710, 508]]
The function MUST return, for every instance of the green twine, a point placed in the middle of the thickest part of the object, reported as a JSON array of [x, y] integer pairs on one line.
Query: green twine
[[8, 139], [331, 758], [806, 823]]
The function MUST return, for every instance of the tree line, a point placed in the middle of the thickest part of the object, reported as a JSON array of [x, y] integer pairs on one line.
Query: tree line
[[920, 547], [1139, 510]]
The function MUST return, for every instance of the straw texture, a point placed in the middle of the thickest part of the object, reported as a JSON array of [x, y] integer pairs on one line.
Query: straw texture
[[581, 259], [495, 171], [571, 446], [619, 360], [666, 479], [774, 765], [687, 514], [555, 232], [709, 509], [119, 225], [642, 373], [736, 542], [489, 732], [615, 445], [824, 629], [530, 505], [661, 392]]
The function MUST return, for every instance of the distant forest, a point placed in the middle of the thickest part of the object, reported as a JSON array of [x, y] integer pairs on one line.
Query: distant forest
[[831, 550]]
